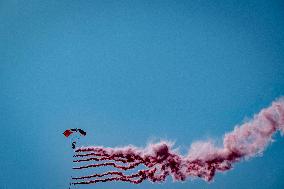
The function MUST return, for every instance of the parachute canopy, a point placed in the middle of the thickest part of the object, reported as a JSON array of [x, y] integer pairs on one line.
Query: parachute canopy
[[68, 132]]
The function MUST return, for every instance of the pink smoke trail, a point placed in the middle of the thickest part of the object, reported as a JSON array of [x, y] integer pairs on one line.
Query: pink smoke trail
[[202, 160]]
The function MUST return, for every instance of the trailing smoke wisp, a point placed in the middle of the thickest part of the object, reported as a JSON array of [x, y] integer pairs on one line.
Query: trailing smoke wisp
[[203, 159]]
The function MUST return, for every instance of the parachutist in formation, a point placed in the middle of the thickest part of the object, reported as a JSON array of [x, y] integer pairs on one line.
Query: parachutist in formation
[[70, 132], [74, 145]]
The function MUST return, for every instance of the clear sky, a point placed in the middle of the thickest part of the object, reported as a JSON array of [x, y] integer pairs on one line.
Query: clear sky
[[129, 72]]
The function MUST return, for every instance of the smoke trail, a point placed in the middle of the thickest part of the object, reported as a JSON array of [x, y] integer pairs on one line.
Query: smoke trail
[[203, 159]]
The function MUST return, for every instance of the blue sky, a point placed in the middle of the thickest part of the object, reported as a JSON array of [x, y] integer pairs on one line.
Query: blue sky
[[129, 72]]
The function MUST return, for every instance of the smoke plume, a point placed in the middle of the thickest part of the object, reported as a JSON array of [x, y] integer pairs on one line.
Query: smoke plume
[[203, 160]]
